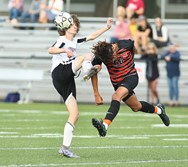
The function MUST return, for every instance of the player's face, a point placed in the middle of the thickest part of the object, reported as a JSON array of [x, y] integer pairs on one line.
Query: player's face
[[73, 29], [114, 48]]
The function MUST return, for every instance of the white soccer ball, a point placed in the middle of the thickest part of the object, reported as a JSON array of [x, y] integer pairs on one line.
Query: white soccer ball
[[63, 21]]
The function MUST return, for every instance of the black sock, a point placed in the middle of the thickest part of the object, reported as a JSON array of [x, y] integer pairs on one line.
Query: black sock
[[146, 107], [113, 110]]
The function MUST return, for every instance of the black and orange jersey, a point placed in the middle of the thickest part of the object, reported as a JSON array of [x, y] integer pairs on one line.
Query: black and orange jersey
[[122, 65]]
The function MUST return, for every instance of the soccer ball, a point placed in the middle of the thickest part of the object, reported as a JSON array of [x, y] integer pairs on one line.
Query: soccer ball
[[63, 21]]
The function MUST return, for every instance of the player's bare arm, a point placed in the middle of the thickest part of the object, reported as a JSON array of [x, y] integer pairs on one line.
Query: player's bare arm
[[99, 32], [54, 50], [94, 81]]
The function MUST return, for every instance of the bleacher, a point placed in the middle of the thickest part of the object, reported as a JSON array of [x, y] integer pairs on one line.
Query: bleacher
[[27, 49]]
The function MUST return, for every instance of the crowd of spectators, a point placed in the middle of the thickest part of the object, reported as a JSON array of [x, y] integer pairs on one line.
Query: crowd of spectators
[[131, 23], [41, 11]]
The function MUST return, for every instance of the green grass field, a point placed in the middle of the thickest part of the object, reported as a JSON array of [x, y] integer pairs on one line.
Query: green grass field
[[31, 134]]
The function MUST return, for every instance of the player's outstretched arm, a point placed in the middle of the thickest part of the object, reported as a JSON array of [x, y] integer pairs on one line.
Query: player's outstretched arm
[[98, 98], [54, 50], [99, 32]]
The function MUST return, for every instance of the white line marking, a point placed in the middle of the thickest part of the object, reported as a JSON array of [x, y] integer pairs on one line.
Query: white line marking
[[172, 125], [58, 135], [176, 139], [8, 133], [100, 163], [99, 147]]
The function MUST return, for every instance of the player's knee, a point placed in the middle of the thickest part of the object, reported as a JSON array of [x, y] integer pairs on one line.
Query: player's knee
[[77, 115], [115, 97], [136, 108]]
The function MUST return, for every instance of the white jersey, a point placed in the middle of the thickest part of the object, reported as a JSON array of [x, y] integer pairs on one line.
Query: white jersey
[[63, 42]]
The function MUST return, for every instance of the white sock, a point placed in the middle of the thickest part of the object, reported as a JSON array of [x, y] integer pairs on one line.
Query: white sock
[[68, 134], [159, 110], [106, 125], [86, 65]]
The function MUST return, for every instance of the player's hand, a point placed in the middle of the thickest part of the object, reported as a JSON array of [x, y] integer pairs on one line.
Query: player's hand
[[167, 58], [98, 100], [69, 53], [109, 22]]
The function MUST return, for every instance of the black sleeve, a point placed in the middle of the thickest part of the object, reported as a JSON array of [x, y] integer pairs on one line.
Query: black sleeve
[[96, 61], [80, 40]]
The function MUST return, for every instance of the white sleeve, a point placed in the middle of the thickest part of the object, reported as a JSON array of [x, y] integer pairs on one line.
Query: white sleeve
[[164, 31], [59, 43], [154, 32]]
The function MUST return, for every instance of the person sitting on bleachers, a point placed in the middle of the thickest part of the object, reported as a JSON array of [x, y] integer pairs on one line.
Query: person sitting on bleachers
[[133, 24], [160, 34], [121, 29], [143, 34], [15, 10], [33, 13], [134, 6], [48, 13]]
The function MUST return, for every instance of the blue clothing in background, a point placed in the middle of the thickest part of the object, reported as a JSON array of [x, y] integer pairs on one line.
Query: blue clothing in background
[[172, 66]]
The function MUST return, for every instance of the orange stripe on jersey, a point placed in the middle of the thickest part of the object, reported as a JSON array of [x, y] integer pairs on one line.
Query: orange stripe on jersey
[[122, 66]]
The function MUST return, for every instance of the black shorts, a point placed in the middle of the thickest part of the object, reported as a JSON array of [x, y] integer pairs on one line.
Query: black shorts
[[130, 82], [63, 80]]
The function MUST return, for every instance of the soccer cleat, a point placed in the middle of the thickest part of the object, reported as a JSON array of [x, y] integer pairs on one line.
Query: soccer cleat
[[67, 153], [163, 115], [100, 127], [94, 70]]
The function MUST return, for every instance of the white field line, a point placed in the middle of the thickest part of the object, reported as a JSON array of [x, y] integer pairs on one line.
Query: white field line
[[99, 147], [171, 125], [58, 135], [101, 163], [91, 113], [176, 139]]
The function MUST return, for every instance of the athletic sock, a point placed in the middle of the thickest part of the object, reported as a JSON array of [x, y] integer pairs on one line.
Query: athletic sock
[[157, 110], [68, 134], [146, 107], [112, 112], [106, 123], [86, 65]]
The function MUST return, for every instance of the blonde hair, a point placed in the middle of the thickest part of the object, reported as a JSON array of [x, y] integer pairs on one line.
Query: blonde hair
[[151, 44], [121, 11]]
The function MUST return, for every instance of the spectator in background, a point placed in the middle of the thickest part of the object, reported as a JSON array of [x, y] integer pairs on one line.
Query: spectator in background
[[134, 6], [172, 58], [33, 13], [48, 13], [143, 34], [15, 10], [133, 24], [121, 29], [160, 34], [152, 71]]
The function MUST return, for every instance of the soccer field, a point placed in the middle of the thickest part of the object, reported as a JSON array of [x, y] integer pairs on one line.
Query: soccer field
[[31, 134]]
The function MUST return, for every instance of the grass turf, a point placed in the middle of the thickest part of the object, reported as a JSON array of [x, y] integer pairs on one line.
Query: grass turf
[[31, 134]]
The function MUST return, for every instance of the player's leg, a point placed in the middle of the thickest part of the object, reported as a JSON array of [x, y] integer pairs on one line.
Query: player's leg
[[113, 110], [143, 106], [123, 89], [63, 81], [89, 68]]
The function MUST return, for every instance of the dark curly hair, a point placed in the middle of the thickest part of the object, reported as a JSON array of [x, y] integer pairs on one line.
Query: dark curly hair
[[75, 20], [103, 51]]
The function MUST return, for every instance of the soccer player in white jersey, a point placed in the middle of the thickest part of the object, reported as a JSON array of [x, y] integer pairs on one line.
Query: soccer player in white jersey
[[65, 64]]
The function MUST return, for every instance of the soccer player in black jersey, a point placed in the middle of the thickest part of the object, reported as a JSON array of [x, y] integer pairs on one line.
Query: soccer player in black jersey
[[119, 60]]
